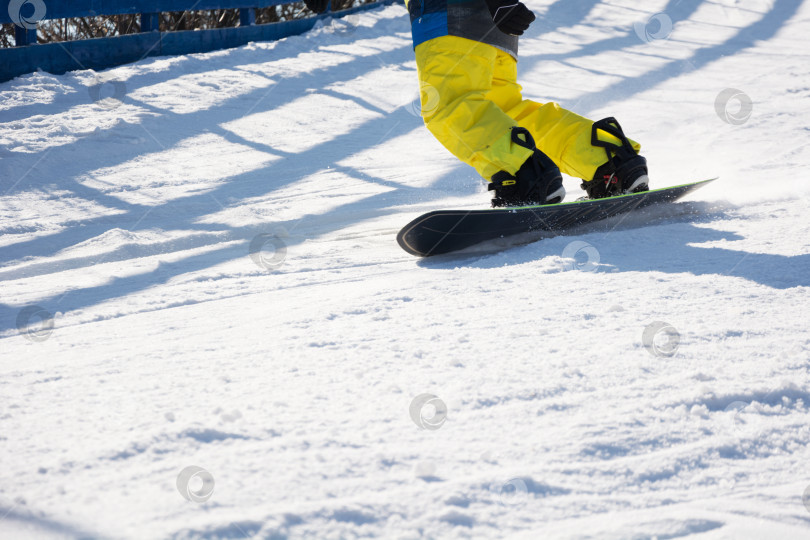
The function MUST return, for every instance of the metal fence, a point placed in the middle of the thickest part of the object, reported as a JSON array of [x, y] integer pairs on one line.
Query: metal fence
[[63, 56]]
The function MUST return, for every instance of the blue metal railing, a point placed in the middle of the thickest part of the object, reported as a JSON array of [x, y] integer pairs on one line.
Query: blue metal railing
[[102, 53]]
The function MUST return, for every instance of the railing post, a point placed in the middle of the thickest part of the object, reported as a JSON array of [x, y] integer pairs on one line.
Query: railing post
[[25, 36], [247, 16], [150, 22]]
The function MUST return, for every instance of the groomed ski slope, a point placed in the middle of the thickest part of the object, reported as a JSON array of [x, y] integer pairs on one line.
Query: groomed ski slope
[[289, 378]]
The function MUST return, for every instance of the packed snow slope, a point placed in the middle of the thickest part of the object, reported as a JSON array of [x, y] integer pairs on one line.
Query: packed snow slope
[[209, 241]]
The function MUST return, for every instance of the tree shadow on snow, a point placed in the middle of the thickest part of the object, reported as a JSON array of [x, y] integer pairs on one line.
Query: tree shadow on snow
[[677, 10], [44, 527]]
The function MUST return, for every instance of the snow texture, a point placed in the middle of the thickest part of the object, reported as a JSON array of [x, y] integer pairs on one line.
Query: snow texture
[[207, 329]]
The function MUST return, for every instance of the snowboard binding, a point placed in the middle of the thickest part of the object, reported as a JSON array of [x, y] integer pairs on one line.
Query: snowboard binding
[[625, 170], [537, 182]]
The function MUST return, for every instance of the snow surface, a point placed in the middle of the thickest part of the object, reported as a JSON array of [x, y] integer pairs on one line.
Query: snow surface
[[554, 409]]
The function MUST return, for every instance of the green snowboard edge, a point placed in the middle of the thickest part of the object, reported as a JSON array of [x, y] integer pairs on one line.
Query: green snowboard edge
[[699, 182]]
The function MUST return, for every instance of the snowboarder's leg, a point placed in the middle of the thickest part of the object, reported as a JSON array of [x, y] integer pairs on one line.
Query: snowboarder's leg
[[563, 135], [456, 77], [568, 138]]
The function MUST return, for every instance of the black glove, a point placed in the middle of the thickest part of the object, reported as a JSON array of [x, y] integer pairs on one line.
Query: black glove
[[510, 16], [318, 6]]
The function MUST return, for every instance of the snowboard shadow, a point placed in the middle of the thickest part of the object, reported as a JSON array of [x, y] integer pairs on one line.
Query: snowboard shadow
[[671, 239]]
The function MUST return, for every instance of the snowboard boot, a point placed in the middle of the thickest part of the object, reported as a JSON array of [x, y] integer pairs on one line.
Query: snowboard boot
[[625, 170], [538, 181]]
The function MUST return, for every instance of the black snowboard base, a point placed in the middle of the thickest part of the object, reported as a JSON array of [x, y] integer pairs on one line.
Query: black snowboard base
[[445, 231]]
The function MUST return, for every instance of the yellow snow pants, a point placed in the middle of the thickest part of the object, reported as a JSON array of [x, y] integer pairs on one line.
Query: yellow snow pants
[[471, 100]]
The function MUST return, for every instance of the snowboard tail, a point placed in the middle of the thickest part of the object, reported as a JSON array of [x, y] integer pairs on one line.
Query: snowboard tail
[[445, 231]]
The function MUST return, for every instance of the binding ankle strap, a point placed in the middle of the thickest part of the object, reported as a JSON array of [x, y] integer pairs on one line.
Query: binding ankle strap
[[527, 142], [611, 125]]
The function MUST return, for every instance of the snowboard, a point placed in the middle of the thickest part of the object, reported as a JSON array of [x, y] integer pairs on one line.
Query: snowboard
[[446, 231]]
